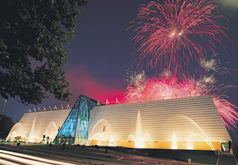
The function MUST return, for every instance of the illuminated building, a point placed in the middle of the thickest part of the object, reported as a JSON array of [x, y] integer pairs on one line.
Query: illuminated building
[[185, 123], [32, 126], [76, 124]]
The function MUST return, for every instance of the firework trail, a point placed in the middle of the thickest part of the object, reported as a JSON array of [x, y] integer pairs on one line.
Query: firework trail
[[214, 66], [173, 33], [136, 78], [170, 86], [136, 84]]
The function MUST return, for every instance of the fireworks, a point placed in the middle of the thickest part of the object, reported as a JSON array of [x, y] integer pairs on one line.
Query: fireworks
[[170, 87], [136, 79], [227, 111], [166, 87], [209, 64], [214, 66], [172, 33], [136, 84]]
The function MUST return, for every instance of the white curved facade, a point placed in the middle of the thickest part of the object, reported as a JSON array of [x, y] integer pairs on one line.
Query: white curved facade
[[32, 126], [187, 123]]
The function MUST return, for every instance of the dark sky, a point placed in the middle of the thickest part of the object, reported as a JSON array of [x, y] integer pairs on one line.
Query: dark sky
[[102, 51]]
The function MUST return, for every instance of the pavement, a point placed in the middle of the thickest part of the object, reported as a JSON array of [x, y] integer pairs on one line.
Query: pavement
[[46, 155], [226, 159], [14, 158]]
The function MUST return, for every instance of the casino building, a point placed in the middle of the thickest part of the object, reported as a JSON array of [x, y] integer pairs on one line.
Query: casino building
[[187, 123]]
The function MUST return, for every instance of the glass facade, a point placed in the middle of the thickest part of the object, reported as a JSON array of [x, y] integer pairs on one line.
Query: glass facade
[[75, 128]]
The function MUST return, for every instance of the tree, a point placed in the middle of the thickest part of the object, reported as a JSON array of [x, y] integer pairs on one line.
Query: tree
[[18, 138], [6, 124], [32, 34]]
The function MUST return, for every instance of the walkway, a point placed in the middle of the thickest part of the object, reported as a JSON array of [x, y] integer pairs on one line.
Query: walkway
[[226, 159]]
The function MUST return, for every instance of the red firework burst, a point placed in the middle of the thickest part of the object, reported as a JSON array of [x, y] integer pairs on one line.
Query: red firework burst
[[174, 32], [170, 87]]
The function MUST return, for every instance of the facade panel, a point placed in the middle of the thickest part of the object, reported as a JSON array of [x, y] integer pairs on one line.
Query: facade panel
[[187, 123], [32, 126]]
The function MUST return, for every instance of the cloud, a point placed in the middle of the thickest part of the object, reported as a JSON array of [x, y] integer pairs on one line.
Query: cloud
[[83, 82], [230, 3]]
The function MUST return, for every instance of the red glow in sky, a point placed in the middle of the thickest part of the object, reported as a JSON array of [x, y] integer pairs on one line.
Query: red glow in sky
[[83, 82], [156, 88], [169, 34]]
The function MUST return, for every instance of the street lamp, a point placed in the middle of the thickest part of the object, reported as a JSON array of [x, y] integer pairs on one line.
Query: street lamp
[[4, 104]]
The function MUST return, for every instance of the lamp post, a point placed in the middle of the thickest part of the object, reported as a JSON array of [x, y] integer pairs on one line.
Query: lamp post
[[4, 105]]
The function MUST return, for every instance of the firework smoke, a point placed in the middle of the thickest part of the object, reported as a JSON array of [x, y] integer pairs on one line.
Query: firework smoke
[[231, 4], [173, 33]]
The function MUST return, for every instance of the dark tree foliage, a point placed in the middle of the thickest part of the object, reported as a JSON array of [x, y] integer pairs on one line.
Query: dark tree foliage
[[32, 34], [6, 124]]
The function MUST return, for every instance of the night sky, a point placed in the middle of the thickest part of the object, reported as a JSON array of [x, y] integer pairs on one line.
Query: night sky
[[102, 51]]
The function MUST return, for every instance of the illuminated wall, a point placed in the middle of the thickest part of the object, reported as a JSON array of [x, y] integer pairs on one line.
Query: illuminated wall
[[32, 126], [188, 123]]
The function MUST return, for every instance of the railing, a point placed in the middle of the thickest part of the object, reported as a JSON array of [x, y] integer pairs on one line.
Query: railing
[[30, 110], [134, 99]]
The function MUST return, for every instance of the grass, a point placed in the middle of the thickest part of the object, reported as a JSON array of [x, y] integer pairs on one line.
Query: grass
[[21, 143]]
